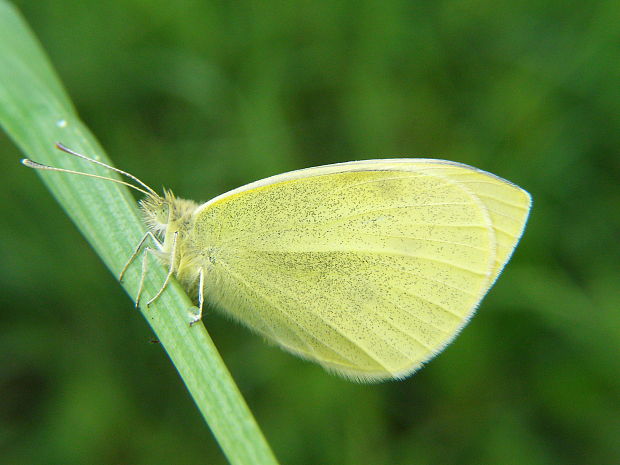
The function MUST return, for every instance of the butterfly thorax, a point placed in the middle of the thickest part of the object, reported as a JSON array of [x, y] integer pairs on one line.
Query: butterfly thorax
[[167, 217]]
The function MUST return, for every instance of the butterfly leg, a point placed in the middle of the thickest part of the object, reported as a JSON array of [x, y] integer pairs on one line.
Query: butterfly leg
[[143, 274], [173, 254], [201, 297], [136, 252]]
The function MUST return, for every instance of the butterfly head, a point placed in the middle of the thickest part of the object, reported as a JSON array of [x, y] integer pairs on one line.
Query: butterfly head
[[161, 213]]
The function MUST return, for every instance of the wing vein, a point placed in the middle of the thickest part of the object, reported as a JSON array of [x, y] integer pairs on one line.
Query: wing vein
[[391, 236], [243, 281], [404, 309], [291, 319], [369, 252]]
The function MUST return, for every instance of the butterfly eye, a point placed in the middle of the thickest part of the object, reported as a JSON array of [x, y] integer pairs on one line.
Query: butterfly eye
[[164, 214]]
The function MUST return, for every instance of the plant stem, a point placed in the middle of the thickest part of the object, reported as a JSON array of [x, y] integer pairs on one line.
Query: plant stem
[[36, 113]]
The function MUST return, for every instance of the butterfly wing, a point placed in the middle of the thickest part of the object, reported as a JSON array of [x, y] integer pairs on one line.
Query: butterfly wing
[[367, 268]]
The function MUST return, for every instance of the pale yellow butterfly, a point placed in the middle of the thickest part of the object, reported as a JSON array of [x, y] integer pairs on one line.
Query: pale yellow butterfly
[[369, 268]]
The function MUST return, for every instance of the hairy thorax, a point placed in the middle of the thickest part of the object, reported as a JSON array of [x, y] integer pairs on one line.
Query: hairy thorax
[[171, 220]]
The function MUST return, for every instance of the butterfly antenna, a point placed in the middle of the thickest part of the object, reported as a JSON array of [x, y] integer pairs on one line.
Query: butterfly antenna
[[40, 166], [66, 149]]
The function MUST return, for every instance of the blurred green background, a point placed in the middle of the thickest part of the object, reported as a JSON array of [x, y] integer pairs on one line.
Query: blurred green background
[[203, 96]]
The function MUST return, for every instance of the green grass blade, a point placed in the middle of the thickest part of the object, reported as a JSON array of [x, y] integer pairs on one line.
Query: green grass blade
[[36, 113]]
